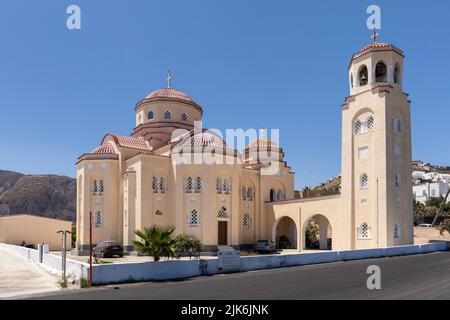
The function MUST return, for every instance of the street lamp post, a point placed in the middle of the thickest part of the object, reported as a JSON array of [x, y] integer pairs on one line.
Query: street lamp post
[[90, 248], [63, 253]]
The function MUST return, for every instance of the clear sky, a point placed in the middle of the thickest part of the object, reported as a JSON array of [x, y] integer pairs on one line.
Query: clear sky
[[250, 64]]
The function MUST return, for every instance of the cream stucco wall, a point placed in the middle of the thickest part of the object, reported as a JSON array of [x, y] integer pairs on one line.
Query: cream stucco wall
[[34, 230]]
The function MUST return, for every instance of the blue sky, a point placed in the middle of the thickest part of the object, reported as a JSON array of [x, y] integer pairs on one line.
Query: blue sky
[[250, 64]]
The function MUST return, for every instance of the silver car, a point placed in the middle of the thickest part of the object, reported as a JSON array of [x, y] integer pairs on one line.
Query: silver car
[[265, 246]]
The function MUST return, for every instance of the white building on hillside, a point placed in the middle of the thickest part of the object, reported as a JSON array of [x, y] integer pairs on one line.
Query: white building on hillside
[[423, 192]]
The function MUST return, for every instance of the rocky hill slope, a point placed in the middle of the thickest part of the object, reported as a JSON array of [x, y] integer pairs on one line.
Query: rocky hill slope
[[43, 195]]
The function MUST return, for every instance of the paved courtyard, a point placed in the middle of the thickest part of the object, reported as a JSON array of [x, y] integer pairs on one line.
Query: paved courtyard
[[19, 277]]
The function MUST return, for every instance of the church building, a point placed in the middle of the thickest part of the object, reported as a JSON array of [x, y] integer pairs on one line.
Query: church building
[[132, 182]]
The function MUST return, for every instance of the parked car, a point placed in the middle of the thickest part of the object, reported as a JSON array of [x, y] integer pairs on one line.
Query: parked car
[[425, 225], [265, 246], [107, 249]]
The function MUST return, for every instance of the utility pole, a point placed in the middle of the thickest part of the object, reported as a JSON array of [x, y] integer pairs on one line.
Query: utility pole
[[64, 253], [90, 248]]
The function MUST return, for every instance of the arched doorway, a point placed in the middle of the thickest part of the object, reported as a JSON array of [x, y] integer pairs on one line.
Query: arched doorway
[[285, 233], [318, 233]]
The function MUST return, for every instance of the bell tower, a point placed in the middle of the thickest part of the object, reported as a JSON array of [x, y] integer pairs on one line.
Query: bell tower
[[376, 186]]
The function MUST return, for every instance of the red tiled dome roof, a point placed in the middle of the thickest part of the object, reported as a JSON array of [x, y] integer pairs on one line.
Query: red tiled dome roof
[[205, 139], [262, 143], [138, 143], [132, 142], [376, 47], [169, 93], [105, 149]]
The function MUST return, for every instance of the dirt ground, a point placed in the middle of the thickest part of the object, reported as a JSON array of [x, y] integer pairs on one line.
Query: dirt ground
[[424, 235]]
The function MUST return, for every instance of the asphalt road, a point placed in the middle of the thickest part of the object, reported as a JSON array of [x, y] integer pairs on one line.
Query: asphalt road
[[408, 277]]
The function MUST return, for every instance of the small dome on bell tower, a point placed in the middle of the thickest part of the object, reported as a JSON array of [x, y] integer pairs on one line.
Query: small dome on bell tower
[[375, 64]]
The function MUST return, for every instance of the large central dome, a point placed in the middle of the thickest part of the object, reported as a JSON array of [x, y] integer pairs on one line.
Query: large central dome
[[169, 93]]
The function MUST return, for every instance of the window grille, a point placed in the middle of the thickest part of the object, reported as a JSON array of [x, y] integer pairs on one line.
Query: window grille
[[193, 218], [155, 184], [364, 181], [98, 219], [94, 186], [246, 221], [223, 214]]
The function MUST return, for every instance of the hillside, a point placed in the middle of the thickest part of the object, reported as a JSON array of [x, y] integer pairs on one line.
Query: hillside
[[44, 195], [332, 186]]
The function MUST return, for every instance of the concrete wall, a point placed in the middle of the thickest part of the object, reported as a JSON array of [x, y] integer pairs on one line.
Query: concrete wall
[[145, 271], [51, 263], [179, 269], [33, 230]]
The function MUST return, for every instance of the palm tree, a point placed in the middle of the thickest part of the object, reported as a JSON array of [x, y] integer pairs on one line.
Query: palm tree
[[156, 242]]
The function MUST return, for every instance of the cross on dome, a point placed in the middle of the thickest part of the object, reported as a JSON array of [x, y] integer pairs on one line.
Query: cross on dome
[[375, 35], [169, 79]]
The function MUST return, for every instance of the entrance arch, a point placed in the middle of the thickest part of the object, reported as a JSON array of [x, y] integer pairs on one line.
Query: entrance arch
[[284, 233], [317, 233]]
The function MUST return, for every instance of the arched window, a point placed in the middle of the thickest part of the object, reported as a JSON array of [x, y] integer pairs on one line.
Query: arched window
[[246, 221], [189, 185], [272, 195], [397, 124], [193, 218], [162, 185], [198, 185], [364, 181], [94, 186], [101, 186], [397, 181], [380, 72], [351, 80], [184, 117], [397, 231], [226, 186], [364, 126], [98, 219], [363, 76], [364, 231], [223, 213], [397, 74], [219, 185], [150, 115], [167, 115], [250, 194], [279, 195], [158, 213], [155, 185], [244, 193], [370, 124], [357, 127]]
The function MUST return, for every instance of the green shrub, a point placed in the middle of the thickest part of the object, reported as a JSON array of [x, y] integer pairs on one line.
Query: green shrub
[[186, 245]]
